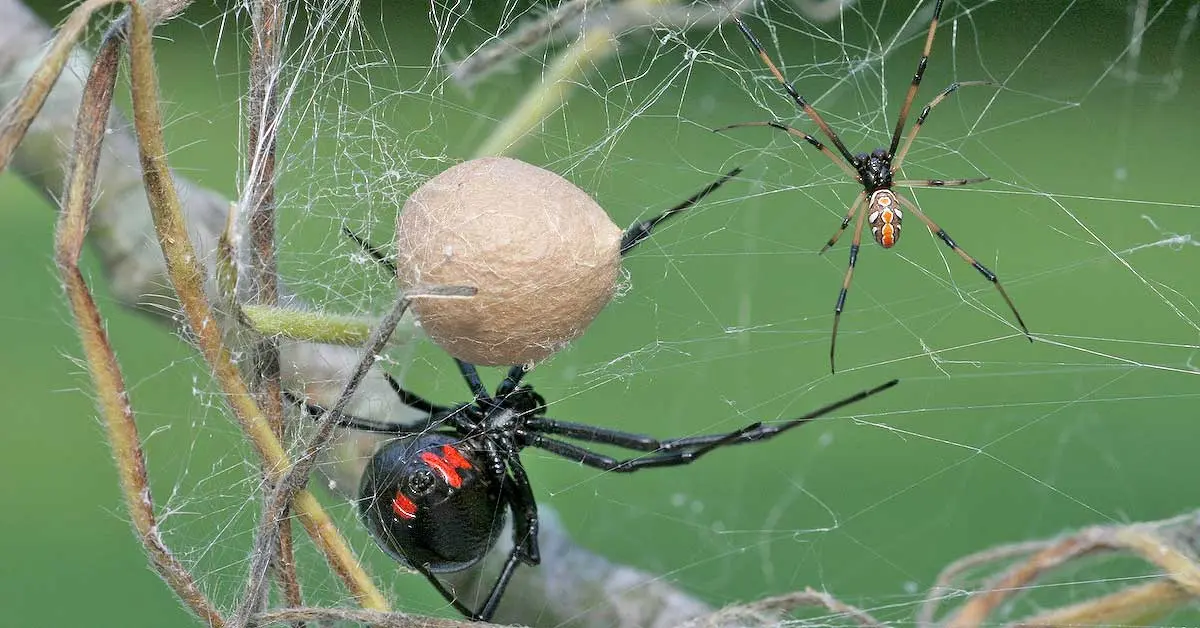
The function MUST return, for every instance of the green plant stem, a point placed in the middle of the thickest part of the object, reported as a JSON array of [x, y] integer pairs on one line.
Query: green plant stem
[[313, 326]]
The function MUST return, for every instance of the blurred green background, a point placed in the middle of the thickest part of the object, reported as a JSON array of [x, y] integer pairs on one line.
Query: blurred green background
[[1090, 222]]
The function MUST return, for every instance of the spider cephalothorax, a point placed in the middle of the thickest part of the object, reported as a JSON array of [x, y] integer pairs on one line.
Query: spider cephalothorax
[[874, 170], [877, 204]]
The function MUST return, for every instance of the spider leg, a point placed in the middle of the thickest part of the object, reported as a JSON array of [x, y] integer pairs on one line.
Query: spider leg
[[916, 128], [471, 375], [760, 431], [359, 423], [592, 459], [525, 514], [666, 453], [639, 231], [593, 434], [489, 608], [800, 134], [938, 183], [841, 301], [510, 382], [858, 200], [605, 436], [796, 97], [375, 252], [916, 81], [449, 595], [983, 270], [412, 399]]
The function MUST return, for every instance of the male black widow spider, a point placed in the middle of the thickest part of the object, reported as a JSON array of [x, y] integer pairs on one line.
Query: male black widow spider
[[878, 203], [435, 498]]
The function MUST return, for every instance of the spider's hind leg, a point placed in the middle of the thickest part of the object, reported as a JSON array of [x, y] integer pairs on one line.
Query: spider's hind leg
[[966, 257]]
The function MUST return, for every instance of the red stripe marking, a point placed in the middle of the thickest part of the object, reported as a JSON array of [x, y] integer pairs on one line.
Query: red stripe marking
[[455, 458], [447, 471], [403, 506]]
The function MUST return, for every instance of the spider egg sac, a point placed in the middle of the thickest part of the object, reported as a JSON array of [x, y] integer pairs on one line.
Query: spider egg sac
[[543, 255]]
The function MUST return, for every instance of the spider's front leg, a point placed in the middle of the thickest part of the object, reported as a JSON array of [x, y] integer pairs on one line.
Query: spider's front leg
[[667, 452], [525, 515], [639, 231]]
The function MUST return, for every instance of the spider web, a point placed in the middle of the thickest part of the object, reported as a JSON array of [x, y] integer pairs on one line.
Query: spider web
[[725, 314]]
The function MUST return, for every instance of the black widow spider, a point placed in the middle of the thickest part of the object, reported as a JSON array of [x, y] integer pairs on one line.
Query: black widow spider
[[435, 498], [878, 203]]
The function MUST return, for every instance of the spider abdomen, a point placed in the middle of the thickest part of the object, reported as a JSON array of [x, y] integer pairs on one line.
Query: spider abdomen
[[429, 503], [885, 216]]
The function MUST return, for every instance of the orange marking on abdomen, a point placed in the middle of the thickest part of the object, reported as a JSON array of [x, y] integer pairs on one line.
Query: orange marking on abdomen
[[885, 218]]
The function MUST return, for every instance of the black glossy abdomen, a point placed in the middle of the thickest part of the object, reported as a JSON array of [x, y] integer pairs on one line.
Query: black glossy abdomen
[[453, 514]]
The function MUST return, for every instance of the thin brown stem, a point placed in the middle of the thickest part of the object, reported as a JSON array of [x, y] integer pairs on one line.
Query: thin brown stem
[[188, 280], [102, 363], [18, 115], [976, 611], [944, 586], [520, 42], [262, 129], [1142, 605], [1168, 545], [767, 611], [285, 564], [262, 277]]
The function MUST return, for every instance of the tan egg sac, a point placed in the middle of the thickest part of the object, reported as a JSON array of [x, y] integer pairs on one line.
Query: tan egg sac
[[543, 255]]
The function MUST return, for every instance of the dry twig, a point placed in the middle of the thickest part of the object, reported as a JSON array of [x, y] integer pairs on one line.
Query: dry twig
[[1171, 545], [185, 273], [105, 371]]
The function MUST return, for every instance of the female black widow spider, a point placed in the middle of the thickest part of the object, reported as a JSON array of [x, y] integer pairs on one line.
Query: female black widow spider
[[878, 203], [435, 498]]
